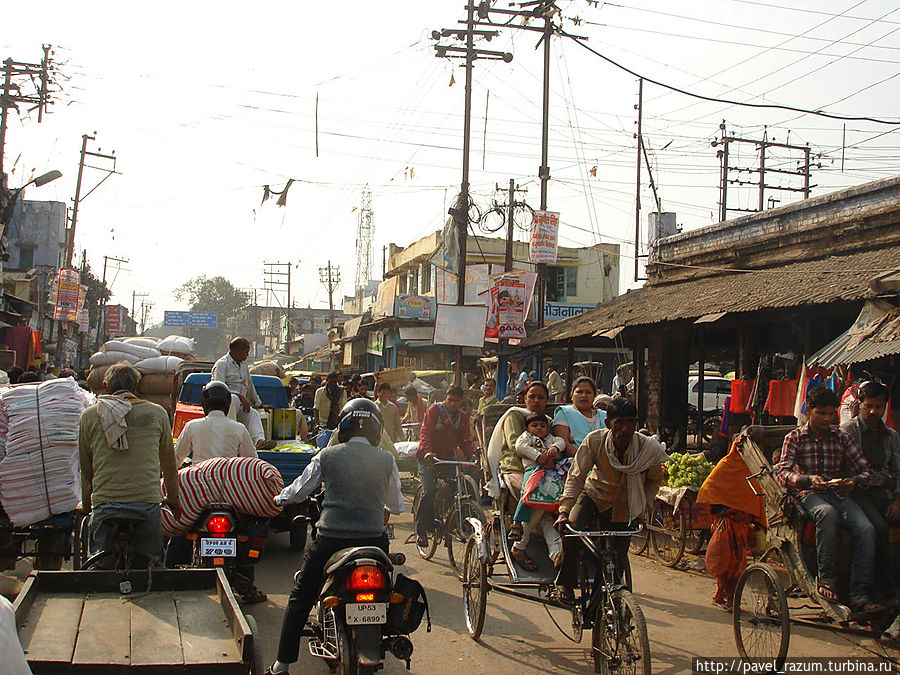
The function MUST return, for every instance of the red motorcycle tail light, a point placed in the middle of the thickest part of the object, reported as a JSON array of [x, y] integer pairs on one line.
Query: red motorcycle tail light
[[366, 578], [219, 525], [365, 597]]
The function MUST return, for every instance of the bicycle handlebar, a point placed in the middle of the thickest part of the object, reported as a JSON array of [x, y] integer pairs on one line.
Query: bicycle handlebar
[[572, 532], [448, 462]]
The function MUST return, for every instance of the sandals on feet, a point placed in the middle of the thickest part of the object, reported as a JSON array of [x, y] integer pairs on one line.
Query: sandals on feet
[[253, 595], [722, 604], [524, 561], [515, 533], [565, 595], [827, 592]]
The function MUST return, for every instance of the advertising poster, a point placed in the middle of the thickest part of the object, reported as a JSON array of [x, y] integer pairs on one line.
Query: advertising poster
[[113, 319], [384, 302], [544, 237], [460, 325], [83, 320], [508, 299], [68, 289], [375, 343], [415, 307], [491, 331], [478, 284]]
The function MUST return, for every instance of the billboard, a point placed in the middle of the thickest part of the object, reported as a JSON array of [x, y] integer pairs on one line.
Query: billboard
[[415, 307], [68, 292]]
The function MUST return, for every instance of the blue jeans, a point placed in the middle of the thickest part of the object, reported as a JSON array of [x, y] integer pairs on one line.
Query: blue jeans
[[146, 535], [425, 512], [829, 512]]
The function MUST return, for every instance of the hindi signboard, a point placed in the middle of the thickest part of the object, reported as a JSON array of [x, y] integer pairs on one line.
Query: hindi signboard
[[508, 298], [554, 311], [544, 237], [195, 319], [113, 319], [415, 307], [68, 290]]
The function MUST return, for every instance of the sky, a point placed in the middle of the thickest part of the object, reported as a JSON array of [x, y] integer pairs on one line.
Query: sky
[[205, 103]]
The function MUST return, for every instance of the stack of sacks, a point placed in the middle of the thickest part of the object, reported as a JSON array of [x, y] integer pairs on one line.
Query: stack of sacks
[[151, 342], [132, 350], [177, 345], [246, 483], [158, 379], [267, 368], [39, 473]]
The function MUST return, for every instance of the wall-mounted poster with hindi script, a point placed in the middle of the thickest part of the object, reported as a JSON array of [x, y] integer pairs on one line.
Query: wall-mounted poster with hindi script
[[68, 288], [509, 296], [544, 237]]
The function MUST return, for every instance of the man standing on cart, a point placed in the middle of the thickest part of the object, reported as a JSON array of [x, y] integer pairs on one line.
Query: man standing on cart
[[614, 477], [232, 369], [812, 459]]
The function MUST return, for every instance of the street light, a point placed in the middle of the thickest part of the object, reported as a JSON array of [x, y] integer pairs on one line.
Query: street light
[[14, 197]]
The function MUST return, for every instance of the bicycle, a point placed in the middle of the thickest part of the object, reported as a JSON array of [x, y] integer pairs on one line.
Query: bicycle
[[457, 500]]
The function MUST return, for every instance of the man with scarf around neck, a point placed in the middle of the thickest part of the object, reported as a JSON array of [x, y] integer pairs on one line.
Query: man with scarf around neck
[[446, 434], [123, 445], [614, 477], [328, 402]]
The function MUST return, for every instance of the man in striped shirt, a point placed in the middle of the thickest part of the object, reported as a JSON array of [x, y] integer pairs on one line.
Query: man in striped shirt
[[813, 459]]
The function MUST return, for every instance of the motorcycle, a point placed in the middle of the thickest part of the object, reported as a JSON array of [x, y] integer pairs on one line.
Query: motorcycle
[[222, 537], [364, 612]]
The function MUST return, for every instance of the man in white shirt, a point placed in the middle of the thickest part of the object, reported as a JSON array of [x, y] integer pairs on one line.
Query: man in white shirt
[[215, 435], [233, 370]]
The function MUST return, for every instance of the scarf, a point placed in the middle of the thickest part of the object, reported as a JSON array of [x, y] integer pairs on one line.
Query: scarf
[[112, 409], [495, 449], [451, 421], [334, 411], [647, 453]]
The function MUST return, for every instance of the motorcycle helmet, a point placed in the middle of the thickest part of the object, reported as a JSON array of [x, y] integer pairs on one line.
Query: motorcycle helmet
[[215, 396], [360, 417]]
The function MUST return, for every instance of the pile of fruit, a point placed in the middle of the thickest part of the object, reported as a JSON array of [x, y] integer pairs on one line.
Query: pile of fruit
[[687, 470]]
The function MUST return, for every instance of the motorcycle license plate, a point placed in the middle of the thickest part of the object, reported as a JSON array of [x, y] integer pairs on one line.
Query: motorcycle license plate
[[218, 548], [366, 613]]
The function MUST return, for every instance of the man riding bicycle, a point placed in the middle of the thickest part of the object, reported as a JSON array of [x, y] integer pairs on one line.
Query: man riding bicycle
[[614, 477], [446, 431], [362, 487]]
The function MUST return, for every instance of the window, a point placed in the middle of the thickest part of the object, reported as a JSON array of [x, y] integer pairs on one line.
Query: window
[[561, 282], [26, 258], [402, 282], [426, 279]]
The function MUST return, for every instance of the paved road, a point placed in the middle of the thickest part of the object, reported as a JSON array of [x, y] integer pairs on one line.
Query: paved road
[[518, 635]]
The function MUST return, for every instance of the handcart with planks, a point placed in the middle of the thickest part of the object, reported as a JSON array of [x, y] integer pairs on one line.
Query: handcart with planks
[[153, 621]]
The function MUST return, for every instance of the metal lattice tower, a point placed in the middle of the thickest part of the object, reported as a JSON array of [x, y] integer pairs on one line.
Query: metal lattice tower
[[364, 234]]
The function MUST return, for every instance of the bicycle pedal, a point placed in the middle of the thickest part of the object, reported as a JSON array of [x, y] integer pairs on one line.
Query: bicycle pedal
[[125, 587]]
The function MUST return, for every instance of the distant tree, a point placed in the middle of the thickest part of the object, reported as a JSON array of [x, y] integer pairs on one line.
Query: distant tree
[[212, 294]]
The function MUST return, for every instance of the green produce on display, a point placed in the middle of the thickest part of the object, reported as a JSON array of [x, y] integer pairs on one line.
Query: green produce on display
[[687, 470]]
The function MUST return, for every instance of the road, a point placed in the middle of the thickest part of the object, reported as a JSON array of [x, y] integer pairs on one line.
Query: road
[[520, 638]]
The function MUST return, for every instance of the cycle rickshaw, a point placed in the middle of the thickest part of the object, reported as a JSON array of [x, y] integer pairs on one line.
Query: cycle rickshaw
[[777, 591], [603, 602]]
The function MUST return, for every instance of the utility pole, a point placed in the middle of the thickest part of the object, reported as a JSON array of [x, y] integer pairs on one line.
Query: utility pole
[[101, 320], [273, 279], [330, 276], [70, 235], [38, 74], [145, 311], [544, 169], [134, 296], [637, 190], [460, 211], [802, 171], [508, 255]]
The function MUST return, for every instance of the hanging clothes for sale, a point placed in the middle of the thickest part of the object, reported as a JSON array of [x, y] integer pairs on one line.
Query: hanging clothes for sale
[[741, 392], [781, 399], [727, 416]]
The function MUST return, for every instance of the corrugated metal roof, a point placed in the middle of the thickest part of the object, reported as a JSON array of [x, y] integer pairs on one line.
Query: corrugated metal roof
[[806, 283], [875, 333]]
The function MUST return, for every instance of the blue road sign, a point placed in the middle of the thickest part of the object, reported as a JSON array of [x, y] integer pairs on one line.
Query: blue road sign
[[176, 318], [202, 319]]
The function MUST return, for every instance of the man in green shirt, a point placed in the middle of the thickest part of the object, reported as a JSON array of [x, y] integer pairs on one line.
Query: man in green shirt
[[123, 444]]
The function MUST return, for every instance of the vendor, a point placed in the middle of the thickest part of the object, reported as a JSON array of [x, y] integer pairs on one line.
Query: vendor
[[233, 370]]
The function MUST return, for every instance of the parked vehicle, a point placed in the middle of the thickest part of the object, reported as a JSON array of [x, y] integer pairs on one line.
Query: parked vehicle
[[360, 616], [715, 390]]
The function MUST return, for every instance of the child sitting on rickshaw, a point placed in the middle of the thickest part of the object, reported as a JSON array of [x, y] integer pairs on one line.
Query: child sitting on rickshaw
[[539, 449]]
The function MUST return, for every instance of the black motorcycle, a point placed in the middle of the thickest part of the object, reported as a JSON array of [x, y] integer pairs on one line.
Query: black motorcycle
[[364, 612]]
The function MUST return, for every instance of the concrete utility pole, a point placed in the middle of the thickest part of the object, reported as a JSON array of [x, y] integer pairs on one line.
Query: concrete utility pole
[[330, 276], [270, 283], [101, 320], [134, 296], [70, 235], [12, 93], [460, 210], [637, 190]]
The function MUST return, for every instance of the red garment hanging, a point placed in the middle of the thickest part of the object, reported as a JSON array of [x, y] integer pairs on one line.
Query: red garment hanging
[[741, 390], [782, 397]]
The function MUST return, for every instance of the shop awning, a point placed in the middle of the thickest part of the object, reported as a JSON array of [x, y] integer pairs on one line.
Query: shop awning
[[875, 333]]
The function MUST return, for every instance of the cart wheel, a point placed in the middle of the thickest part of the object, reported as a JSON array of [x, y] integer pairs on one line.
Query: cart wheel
[[475, 588], [762, 627], [460, 531], [257, 665], [619, 641], [693, 541], [427, 552], [668, 533], [639, 541], [80, 539]]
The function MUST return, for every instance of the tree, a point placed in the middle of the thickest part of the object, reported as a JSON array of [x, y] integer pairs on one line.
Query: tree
[[212, 294]]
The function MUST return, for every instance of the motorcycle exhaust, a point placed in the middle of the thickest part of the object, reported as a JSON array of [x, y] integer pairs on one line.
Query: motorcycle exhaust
[[401, 647]]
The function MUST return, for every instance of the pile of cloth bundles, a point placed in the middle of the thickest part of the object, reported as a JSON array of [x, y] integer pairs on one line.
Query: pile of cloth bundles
[[39, 473], [177, 345], [246, 483]]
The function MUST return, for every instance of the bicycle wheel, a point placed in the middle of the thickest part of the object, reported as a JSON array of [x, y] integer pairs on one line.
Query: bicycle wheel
[[427, 552], [693, 541], [639, 542], [619, 641], [762, 626], [459, 530], [668, 533], [475, 588]]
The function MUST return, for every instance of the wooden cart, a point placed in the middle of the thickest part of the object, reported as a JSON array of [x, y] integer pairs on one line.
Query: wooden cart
[[172, 621]]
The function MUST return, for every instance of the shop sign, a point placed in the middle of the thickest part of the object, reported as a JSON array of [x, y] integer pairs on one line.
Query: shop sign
[[375, 343], [554, 311], [544, 237], [68, 289], [415, 307]]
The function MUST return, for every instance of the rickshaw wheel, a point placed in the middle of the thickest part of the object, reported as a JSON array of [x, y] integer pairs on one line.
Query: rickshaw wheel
[[694, 541], [475, 588], [619, 641], [639, 542], [668, 538], [459, 532], [427, 552], [762, 625]]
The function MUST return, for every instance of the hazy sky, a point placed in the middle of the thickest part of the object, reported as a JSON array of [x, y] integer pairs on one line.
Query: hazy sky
[[204, 103]]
